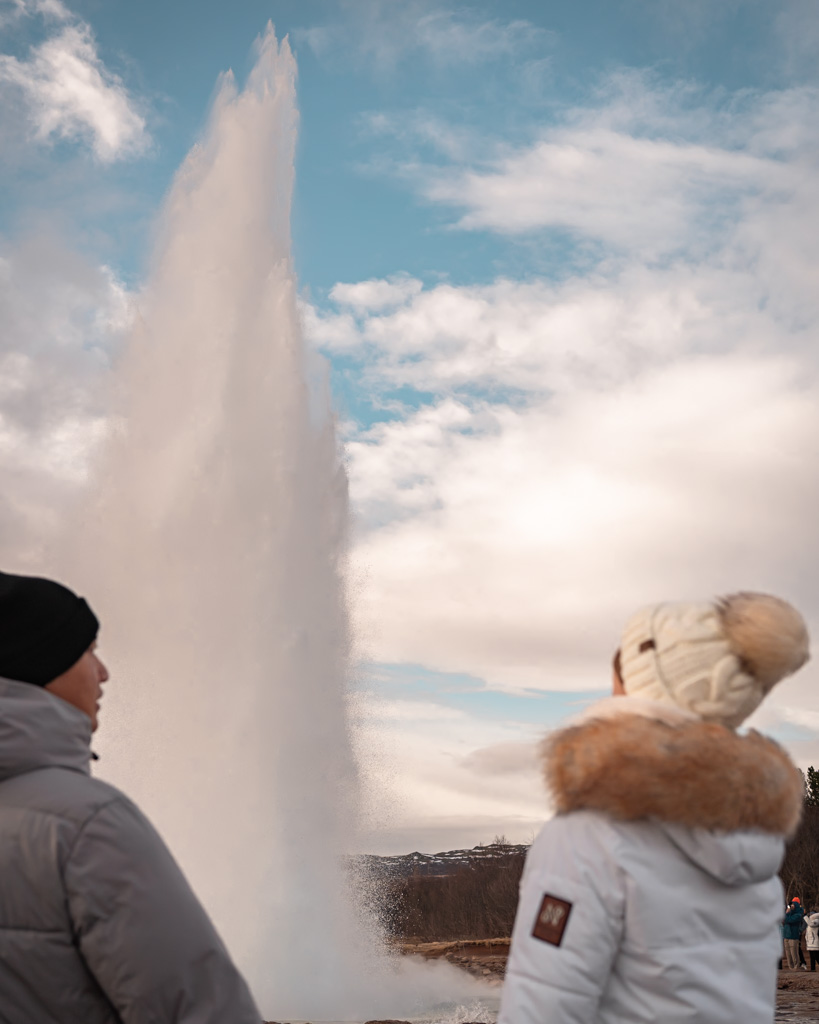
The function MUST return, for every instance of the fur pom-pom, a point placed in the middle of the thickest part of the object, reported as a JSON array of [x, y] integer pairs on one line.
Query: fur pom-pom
[[767, 634]]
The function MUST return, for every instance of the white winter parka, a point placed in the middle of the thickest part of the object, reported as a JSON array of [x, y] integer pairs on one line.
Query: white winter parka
[[652, 895], [812, 931]]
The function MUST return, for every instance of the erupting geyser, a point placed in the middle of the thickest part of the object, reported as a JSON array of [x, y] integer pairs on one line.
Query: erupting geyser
[[214, 550]]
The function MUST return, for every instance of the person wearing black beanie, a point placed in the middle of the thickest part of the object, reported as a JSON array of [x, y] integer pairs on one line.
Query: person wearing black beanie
[[98, 925], [48, 637], [44, 629]]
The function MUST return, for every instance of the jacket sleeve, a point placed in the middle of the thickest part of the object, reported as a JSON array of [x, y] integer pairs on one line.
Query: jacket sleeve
[[142, 932], [559, 963]]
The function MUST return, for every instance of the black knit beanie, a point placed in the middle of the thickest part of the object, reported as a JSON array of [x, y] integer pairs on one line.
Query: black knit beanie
[[44, 629]]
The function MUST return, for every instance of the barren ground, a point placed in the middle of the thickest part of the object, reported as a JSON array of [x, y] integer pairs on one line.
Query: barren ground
[[797, 996]]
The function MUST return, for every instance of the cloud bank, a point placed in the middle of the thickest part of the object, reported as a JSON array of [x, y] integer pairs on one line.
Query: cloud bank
[[547, 454]]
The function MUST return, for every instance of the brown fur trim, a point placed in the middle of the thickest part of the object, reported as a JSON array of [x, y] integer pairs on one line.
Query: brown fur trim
[[696, 773]]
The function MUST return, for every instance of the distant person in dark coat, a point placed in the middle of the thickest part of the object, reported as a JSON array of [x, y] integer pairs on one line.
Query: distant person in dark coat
[[792, 932]]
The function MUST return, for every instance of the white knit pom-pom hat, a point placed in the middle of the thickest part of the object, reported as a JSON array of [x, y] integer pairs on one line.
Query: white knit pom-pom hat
[[718, 660]]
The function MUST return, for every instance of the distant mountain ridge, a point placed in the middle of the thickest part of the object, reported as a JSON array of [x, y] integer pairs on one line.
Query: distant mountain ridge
[[446, 863]]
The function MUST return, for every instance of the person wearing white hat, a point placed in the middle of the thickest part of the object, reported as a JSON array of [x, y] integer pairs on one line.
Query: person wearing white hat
[[653, 895], [812, 936]]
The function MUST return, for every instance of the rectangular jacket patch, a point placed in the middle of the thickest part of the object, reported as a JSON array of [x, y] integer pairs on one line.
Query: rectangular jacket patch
[[551, 920]]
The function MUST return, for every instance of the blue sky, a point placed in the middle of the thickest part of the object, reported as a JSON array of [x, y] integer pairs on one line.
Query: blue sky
[[514, 69], [561, 259]]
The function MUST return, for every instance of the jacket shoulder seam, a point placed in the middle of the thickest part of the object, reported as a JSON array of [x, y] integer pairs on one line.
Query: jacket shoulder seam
[[28, 928], [97, 811], [78, 821]]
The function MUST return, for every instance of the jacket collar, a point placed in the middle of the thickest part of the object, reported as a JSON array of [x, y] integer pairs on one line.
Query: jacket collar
[[39, 730], [632, 764]]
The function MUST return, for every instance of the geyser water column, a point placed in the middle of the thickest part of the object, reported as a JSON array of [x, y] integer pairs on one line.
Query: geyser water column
[[213, 550]]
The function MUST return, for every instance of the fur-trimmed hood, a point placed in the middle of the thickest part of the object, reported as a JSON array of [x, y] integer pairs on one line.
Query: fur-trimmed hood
[[686, 772]]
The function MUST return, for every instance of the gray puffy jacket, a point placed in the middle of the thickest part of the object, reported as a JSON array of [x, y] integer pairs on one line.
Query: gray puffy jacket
[[97, 923]]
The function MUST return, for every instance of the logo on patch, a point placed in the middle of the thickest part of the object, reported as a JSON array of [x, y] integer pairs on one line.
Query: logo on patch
[[551, 920]]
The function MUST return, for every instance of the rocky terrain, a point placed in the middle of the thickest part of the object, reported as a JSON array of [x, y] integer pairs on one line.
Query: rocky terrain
[[445, 863], [797, 998], [482, 958]]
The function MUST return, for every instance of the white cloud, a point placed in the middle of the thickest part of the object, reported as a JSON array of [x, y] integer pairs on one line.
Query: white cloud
[[513, 543], [451, 36], [429, 786], [371, 708], [645, 431], [51, 9], [544, 336], [641, 168], [331, 333], [54, 9], [60, 318], [458, 143], [386, 32], [622, 190], [375, 294], [69, 93], [802, 716], [514, 757], [14, 9], [11, 11]]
